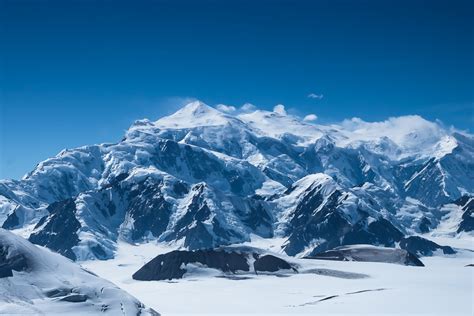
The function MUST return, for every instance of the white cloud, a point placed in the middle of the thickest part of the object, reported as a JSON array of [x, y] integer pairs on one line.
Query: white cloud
[[226, 108], [280, 109], [248, 107], [408, 130], [310, 118], [315, 96]]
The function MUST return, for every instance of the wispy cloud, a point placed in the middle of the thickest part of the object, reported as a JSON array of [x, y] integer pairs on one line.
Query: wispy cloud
[[173, 103], [315, 96]]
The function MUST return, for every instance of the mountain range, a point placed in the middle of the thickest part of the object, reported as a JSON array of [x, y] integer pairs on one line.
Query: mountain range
[[205, 177]]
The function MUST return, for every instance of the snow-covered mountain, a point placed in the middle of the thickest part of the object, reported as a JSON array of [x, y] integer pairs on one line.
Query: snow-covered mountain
[[35, 281], [204, 177]]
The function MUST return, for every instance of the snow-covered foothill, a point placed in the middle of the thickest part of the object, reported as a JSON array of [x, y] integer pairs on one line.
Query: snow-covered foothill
[[36, 281]]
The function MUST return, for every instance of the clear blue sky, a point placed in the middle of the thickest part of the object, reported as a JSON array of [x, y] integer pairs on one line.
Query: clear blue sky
[[80, 72]]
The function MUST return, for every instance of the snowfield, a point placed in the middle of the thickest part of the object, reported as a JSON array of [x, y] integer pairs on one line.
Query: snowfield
[[443, 287]]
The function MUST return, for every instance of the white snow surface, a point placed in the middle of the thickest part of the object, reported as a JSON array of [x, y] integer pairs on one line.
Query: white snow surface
[[443, 287]]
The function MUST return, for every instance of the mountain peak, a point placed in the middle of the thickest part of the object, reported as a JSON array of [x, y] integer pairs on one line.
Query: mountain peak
[[193, 114], [197, 108]]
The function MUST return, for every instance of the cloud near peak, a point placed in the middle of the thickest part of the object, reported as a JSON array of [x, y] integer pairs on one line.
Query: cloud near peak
[[310, 118], [248, 107], [226, 108], [280, 109]]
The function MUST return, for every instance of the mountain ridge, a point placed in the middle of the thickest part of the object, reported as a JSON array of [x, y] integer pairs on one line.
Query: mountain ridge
[[204, 178]]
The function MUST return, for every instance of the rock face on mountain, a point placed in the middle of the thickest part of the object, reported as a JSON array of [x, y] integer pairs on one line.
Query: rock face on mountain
[[175, 264], [368, 253], [204, 178], [35, 281], [467, 220], [58, 229]]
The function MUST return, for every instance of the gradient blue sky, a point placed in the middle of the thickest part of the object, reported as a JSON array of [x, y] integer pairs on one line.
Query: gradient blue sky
[[80, 72]]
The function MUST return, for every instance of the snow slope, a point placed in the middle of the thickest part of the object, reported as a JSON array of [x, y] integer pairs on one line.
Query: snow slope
[[45, 283]]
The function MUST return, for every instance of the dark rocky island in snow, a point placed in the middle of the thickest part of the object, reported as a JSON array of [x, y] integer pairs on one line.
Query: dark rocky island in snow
[[423, 247], [175, 264], [368, 253]]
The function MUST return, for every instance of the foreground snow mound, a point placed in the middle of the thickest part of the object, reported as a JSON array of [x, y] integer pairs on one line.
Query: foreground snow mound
[[176, 264], [36, 281], [368, 253]]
